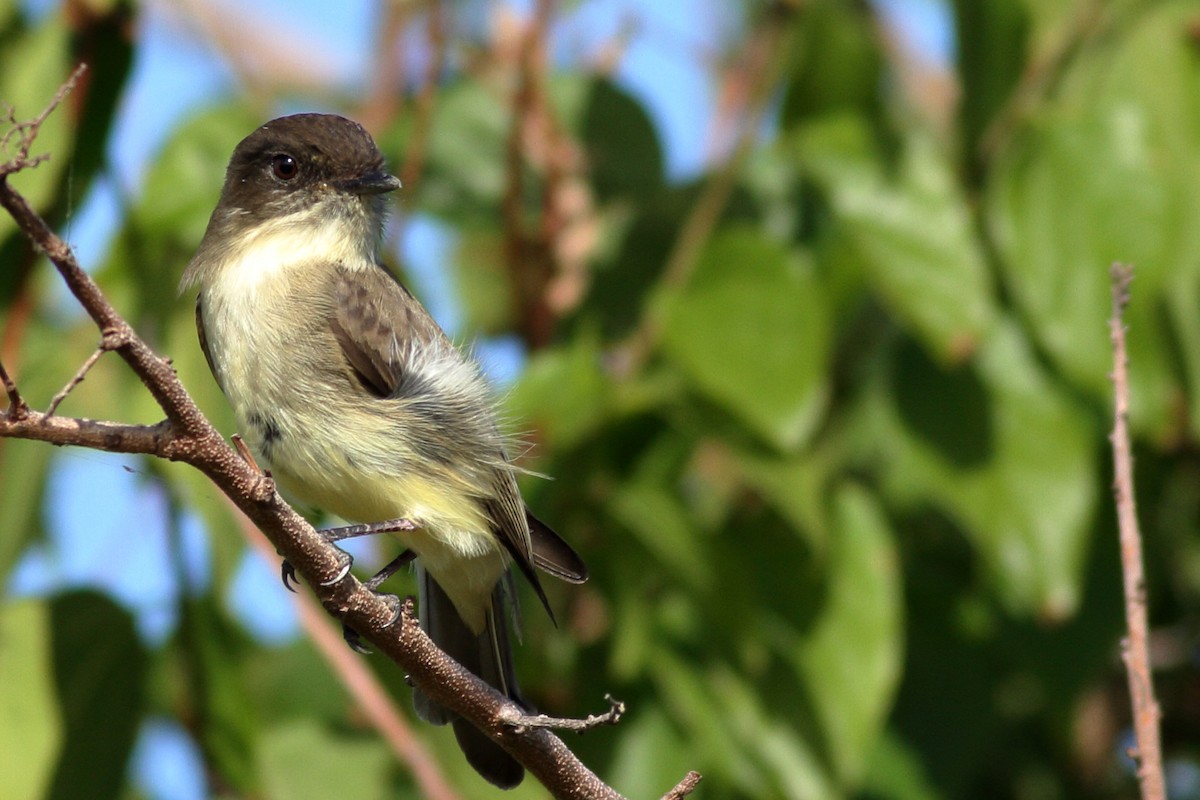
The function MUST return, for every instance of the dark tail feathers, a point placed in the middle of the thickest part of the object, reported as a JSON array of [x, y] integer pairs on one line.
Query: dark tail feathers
[[488, 655]]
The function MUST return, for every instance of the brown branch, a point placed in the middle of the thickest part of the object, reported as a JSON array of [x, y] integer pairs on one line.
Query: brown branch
[[186, 435], [154, 440], [1135, 648], [530, 255]]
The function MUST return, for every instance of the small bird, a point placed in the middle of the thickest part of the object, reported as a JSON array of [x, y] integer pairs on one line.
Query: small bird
[[354, 398]]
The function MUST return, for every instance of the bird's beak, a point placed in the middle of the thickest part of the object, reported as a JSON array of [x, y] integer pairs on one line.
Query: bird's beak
[[371, 183]]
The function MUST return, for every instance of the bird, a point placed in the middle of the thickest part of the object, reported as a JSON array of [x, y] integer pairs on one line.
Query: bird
[[358, 403]]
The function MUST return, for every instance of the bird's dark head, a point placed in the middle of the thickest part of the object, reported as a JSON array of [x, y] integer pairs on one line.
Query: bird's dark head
[[309, 187], [293, 163]]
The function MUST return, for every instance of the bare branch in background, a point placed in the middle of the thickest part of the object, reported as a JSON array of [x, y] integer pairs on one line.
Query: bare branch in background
[[1136, 648]]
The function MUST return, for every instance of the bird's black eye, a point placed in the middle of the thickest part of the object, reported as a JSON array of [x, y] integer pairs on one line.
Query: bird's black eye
[[284, 166]]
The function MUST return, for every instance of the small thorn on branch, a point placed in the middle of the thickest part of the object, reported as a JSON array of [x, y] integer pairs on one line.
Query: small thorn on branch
[[521, 722]]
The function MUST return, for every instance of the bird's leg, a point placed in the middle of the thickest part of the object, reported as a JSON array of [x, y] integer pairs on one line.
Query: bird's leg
[[391, 568], [341, 533]]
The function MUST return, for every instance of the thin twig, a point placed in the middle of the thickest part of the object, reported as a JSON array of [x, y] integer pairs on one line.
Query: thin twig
[[1135, 648], [616, 709], [17, 409], [530, 254], [684, 787], [26, 132], [108, 342]]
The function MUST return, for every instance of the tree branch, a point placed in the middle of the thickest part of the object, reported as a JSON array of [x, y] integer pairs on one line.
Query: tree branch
[[186, 435], [1135, 649]]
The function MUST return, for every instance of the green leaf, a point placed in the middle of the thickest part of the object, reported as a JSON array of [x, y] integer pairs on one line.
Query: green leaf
[[1108, 173], [30, 718], [229, 731], [481, 281], [1024, 495], [913, 234], [623, 152], [851, 660], [895, 772], [684, 689], [794, 487], [466, 170], [301, 761], [100, 672], [838, 66], [752, 333], [659, 521], [992, 37], [784, 757]]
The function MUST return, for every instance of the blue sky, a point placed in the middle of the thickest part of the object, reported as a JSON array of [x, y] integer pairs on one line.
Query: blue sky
[[91, 496]]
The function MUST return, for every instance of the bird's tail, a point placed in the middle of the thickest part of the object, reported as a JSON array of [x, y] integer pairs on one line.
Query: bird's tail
[[488, 655]]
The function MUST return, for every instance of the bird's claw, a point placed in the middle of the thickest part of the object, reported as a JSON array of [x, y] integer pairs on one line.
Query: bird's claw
[[288, 575], [354, 640]]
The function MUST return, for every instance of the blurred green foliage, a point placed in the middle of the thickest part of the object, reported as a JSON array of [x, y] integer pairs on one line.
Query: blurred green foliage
[[840, 476]]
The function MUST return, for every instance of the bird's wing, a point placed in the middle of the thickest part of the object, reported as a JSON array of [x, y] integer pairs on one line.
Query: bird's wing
[[204, 339], [387, 338]]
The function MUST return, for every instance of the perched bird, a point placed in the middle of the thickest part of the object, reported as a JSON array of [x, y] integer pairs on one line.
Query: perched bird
[[354, 398]]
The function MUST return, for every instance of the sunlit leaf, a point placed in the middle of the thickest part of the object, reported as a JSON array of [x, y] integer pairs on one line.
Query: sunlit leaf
[[791, 764], [912, 232], [563, 393], [851, 659], [1059, 220], [623, 153], [752, 332], [1024, 494]]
